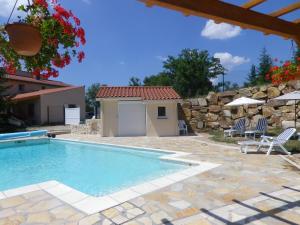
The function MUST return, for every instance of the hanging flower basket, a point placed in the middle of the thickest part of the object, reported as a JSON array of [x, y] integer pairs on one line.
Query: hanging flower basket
[[24, 39], [45, 40], [287, 71]]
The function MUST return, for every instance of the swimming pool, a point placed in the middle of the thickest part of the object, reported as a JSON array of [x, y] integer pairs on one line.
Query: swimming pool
[[93, 169]]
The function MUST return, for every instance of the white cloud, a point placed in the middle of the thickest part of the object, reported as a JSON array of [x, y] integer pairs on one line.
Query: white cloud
[[122, 63], [161, 58], [7, 6], [220, 31], [229, 61]]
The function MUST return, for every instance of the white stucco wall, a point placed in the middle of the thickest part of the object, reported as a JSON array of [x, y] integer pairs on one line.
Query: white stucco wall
[[154, 125], [56, 102]]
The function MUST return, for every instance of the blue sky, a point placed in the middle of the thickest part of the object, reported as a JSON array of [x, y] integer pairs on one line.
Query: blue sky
[[125, 38]]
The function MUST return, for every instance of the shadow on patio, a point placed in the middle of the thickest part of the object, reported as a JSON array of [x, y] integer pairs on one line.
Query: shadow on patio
[[269, 208]]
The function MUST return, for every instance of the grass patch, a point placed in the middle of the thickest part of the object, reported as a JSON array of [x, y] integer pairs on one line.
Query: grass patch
[[218, 136]]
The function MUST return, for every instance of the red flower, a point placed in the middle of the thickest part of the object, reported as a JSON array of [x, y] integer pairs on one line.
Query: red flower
[[298, 59], [80, 56], [267, 76], [42, 3], [62, 12]]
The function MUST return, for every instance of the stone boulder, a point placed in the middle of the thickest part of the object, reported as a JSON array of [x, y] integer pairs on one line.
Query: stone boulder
[[211, 117], [226, 113], [239, 114], [252, 111], [213, 125], [246, 92], [195, 114], [282, 86], [287, 124], [273, 92], [214, 108], [186, 104], [200, 124], [227, 94], [212, 98], [202, 102], [288, 116], [287, 109], [194, 102], [263, 88], [259, 95], [267, 111], [187, 113]]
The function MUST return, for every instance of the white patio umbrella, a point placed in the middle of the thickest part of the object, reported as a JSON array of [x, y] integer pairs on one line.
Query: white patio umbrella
[[245, 101], [288, 97]]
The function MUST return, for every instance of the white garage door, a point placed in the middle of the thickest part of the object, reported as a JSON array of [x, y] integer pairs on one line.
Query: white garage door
[[132, 118], [72, 116]]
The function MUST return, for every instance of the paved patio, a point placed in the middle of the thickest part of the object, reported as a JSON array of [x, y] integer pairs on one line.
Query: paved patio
[[245, 189]]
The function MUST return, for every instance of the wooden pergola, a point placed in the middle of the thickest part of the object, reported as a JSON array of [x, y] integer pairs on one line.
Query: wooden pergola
[[244, 16]]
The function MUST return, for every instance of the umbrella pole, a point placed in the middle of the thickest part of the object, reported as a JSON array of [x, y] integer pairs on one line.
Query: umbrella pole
[[296, 115]]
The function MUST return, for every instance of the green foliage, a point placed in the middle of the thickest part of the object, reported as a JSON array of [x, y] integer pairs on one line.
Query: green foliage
[[4, 100], [162, 79], [252, 77], [190, 73], [90, 97], [135, 81], [265, 64], [228, 86], [297, 54]]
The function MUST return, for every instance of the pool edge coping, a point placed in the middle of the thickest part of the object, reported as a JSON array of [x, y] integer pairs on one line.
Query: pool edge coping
[[90, 204]]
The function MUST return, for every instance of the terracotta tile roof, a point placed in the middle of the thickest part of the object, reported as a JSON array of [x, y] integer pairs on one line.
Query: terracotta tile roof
[[143, 92], [37, 94], [32, 80]]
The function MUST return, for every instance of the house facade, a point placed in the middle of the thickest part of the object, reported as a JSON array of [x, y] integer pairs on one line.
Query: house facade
[[40, 102], [139, 111]]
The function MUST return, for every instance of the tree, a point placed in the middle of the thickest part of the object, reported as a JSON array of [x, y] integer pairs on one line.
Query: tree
[[228, 86], [190, 73], [135, 81], [297, 53], [162, 79], [252, 77], [4, 100], [265, 64], [90, 97]]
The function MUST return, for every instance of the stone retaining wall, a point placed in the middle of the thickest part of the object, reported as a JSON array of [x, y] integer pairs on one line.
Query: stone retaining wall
[[210, 112], [92, 126]]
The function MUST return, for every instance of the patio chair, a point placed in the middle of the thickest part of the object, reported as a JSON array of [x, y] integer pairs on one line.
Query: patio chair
[[238, 128], [261, 128], [270, 142], [182, 127]]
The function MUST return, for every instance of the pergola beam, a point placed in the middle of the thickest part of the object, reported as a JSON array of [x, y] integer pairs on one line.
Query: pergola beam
[[228, 13], [252, 3], [286, 10], [297, 21]]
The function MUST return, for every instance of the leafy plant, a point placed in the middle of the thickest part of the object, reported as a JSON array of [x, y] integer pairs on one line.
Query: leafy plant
[[286, 71], [61, 34]]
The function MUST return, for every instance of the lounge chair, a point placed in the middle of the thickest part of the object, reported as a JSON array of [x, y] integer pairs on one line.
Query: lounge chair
[[238, 128], [270, 142], [182, 127], [261, 128]]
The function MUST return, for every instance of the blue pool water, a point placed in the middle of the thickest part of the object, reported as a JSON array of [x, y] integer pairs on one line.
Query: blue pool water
[[90, 168]]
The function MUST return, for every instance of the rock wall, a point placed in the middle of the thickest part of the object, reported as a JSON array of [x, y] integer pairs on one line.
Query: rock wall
[[92, 126], [210, 111]]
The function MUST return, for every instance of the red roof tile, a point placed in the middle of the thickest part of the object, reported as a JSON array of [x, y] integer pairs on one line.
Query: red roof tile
[[36, 94], [32, 80], [143, 92]]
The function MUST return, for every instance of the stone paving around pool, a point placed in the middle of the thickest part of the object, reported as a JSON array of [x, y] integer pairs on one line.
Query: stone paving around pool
[[245, 189]]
